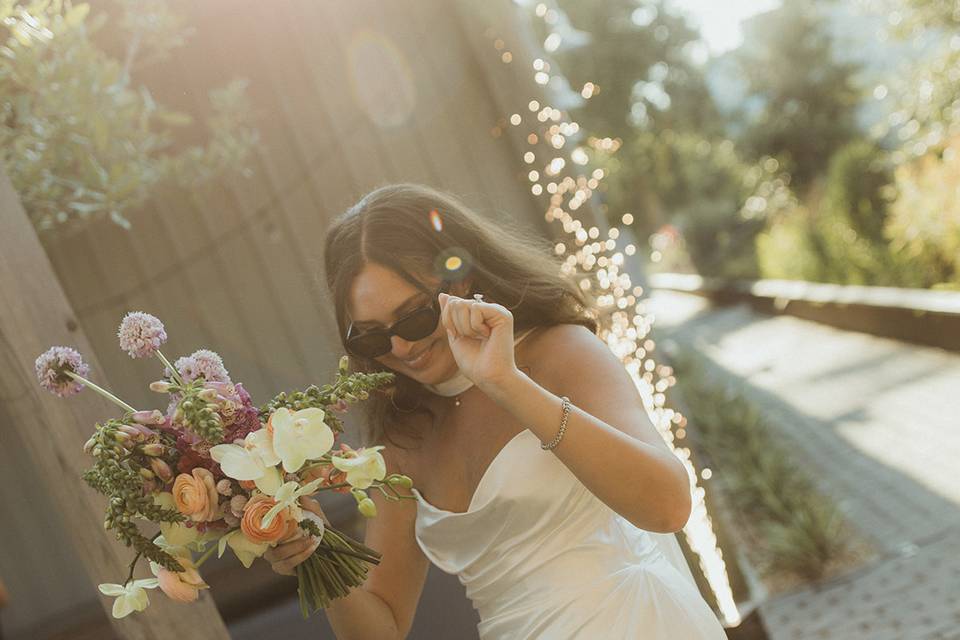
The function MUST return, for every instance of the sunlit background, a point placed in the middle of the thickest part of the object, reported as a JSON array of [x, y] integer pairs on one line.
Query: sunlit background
[[762, 196]]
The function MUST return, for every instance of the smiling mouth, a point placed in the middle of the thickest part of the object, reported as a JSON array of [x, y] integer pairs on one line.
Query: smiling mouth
[[413, 362]]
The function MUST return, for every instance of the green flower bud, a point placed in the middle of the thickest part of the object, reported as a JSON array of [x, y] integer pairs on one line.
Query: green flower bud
[[399, 480], [344, 365], [367, 508]]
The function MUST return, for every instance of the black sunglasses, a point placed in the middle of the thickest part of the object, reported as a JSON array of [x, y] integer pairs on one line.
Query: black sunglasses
[[416, 325]]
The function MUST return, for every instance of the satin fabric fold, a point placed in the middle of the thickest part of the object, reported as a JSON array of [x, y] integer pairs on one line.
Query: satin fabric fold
[[543, 558]]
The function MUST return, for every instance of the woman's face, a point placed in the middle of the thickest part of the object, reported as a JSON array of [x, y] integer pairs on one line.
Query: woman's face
[[378, 297]]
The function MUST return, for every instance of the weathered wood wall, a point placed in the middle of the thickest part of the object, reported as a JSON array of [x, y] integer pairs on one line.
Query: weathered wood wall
[[350, 95]]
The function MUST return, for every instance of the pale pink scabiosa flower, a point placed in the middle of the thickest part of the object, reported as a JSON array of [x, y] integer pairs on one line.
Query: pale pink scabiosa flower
[[52, 366], [141, 334], [204, 364]]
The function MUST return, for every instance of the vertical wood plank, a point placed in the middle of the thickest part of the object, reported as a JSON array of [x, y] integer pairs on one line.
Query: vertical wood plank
[[37, 314]]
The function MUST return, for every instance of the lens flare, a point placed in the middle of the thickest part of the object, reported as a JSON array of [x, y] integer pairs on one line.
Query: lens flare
[[453, 264], [436, 220]]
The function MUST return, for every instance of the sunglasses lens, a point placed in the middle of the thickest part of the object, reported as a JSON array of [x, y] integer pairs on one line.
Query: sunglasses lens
[[370, 345], [418, 325]]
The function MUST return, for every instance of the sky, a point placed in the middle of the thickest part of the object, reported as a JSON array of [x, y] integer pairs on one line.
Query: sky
[[719, 21]]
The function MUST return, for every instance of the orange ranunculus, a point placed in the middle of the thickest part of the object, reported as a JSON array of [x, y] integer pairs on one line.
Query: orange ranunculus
[[196, 495], [281, 527], [182, 586]]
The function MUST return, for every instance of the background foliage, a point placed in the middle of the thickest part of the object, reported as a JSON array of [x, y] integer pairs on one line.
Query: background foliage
[[826, 167], [80, 140]]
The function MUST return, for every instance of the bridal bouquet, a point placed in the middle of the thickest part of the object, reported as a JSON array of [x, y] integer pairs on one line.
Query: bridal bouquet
[[214, 471]]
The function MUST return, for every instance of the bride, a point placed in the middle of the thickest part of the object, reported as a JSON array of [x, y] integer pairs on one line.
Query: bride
[[539, 479]]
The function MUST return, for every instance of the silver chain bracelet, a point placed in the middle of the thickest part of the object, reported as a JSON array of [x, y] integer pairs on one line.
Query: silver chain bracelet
[[563, 425]]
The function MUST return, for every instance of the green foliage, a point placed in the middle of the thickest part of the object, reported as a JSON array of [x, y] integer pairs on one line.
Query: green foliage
[[640, 58], [635, 43], [857, 191], [704, 183], [79, 140], [807, 98], [348, 388], [803, 533], [924, 225], [120, 462], [871, 227], [847, 232]]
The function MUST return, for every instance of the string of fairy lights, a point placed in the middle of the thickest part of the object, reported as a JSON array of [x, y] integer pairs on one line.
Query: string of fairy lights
[[559, 171]]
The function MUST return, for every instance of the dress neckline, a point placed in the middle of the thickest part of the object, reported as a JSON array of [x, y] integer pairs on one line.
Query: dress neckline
[[453, 387], [483, 478]]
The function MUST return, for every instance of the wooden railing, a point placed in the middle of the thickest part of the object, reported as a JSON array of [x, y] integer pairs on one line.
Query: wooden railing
[[913, 315]]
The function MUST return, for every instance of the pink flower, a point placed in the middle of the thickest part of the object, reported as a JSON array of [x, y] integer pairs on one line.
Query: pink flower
[[209, 364], [141, 334], [204, 364], [182, 586], [150, 416], [52, 366]]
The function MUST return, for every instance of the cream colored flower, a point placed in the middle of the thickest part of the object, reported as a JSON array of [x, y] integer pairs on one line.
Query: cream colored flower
[[362, 467], [287, 497], [176, 534], [129, 598], [299, 436], [246, 550], [256, 460]]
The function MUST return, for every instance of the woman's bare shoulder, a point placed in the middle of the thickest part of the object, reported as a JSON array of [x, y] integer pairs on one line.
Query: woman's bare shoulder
[[559, 340]]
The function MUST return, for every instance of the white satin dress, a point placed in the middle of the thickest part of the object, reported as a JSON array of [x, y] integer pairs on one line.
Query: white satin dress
[[542, 558]]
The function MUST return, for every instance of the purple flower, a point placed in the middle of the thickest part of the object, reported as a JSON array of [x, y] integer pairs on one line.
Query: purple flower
[[141, 334], [52, 366], [185, 367], [204, 364], [209, 364]]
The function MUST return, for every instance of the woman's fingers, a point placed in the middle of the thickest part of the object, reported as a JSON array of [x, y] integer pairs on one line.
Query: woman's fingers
[[284, 558], [476, 320], [288, 549], [293, 561], [460, 316], [445, 315], [311, 505]]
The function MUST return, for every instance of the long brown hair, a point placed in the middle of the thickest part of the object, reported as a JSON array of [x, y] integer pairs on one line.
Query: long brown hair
[[419, 232]]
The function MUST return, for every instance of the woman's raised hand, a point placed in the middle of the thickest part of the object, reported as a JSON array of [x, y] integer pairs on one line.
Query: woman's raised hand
[[285, 557], [481, 338]]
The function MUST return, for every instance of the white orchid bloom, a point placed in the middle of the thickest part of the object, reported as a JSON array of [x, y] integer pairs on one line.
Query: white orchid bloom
[[245, 550], [256, 460], [287, 497], [363, 468], [129, 598], [299, 436]]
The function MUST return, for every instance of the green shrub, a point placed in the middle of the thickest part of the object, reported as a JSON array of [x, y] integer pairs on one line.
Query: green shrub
[[78, 140], [802, 532], [924, 224]]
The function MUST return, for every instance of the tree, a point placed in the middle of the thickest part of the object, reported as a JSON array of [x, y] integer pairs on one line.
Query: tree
[[78, 139], [807, 99], [639, 57]]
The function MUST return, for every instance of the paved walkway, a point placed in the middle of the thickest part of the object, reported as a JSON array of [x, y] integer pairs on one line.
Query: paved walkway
[[878, 423]]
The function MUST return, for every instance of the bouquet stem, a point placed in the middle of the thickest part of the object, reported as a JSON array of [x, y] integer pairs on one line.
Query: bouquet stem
[[339, 564]]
